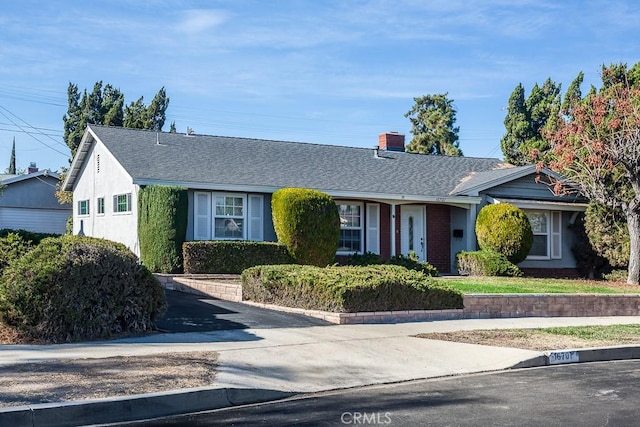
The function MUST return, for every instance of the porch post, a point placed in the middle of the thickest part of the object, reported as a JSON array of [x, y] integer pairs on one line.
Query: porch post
[[393, 229], [471, 227]]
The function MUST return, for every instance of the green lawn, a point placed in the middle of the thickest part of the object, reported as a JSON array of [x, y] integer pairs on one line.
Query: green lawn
[[518, 285]]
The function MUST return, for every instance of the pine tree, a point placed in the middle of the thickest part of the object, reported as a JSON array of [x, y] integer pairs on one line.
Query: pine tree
[[433, 118], [12, 162]]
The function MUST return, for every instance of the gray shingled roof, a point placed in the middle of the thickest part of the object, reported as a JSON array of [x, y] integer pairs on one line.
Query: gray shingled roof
[[480, 179], [219, 161]]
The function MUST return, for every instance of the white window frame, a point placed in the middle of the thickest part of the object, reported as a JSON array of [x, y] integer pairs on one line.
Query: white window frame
[[553, 234], [360, 228], [86, 203], [116, 204], [100, 204], [242, 217]]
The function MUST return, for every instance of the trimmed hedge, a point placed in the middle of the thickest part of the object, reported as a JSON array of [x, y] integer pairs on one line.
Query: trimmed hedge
[[162, 226], [486, 263], [347, 288], [74, 288], [307, 223], [406, 262], [504, 228], [231, 257]]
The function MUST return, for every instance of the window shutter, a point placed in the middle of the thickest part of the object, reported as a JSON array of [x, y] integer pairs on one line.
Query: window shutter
[[373, 228], [202, 210], [255, 231], [129, 207], [556, 235]]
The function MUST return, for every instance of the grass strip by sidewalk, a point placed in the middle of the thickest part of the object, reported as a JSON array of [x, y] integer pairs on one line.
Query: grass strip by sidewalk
[[524, 285], [542, 339]]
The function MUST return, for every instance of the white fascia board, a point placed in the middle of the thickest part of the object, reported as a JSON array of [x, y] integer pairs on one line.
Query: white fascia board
[[541, 204], [85, 145], [461, 201]]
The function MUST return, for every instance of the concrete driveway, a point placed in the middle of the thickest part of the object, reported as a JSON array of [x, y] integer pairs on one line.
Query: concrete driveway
[[196, 313]]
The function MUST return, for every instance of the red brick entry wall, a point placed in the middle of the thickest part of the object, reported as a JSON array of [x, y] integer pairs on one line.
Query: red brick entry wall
[[439, 237]]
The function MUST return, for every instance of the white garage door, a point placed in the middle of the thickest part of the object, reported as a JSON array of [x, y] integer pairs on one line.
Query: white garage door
[[37, 220]]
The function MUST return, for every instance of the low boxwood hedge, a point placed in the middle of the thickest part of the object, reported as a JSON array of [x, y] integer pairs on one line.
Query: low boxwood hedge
[[347, 288], [486, 263], [407, 262], [231, 257]]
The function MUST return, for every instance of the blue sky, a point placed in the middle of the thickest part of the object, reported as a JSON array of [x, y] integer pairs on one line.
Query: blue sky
[[322, 71]]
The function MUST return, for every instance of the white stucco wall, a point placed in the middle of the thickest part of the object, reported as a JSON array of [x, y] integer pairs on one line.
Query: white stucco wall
[[105, 181]]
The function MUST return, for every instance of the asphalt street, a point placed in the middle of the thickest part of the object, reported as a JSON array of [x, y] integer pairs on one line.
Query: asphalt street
[[587, 394], [196, 313]]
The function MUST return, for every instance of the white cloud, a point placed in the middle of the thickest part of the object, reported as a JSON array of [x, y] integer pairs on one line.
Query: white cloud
[[197, 21]]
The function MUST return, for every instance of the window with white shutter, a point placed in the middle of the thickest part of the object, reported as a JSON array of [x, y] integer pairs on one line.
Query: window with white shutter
[[202, 210], [255, 231], [373, 228]]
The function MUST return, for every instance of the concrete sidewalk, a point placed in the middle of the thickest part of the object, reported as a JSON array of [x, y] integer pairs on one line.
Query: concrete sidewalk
[[265, 364]]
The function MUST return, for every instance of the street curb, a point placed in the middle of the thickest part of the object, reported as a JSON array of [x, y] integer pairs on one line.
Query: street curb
[[561, 357], [132, 408]]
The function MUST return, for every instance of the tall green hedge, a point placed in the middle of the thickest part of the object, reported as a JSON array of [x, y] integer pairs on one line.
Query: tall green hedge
[[307, 223], [162, 226], [506, 229]]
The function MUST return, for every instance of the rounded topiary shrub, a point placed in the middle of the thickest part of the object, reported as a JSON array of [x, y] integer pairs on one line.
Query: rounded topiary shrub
[[307, 223], [75, 288], [506, 229]]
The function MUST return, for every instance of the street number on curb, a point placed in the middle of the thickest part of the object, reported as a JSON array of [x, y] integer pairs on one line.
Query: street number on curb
[[559, 357]]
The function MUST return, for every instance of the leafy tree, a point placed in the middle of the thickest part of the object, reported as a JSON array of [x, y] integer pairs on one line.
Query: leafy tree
[[104, 105], [432, 119], [172, 128], [526, 120], [12, 161], [598, 145]]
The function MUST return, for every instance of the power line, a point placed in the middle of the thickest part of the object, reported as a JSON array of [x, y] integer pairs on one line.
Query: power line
[[29, 133]]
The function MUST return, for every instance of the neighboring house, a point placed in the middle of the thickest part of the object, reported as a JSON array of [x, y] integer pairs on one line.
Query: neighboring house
[[390, 202], [28, 202]]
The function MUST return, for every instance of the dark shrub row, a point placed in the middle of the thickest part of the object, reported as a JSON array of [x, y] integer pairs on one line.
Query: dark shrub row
[[486, 263], [347, 288], [231, 257], [406, 262], [75, 288], [162, 224], [29, 236]]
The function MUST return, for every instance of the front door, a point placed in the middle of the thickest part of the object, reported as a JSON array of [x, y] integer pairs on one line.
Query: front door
[[413, 236]]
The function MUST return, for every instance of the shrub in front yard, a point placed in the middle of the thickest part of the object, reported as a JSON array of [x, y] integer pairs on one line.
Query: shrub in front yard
[[307, 223], [407, 262], [347, 288], [12, 247], [30, 236], [231, 257], [74, 288], [486, 263], [504, 228]]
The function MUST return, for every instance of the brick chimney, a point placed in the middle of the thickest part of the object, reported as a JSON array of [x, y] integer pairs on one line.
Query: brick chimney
[[391, 141], [32, 168]]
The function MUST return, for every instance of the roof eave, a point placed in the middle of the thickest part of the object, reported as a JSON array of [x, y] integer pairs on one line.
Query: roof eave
[[343, 194], [87, 141]]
